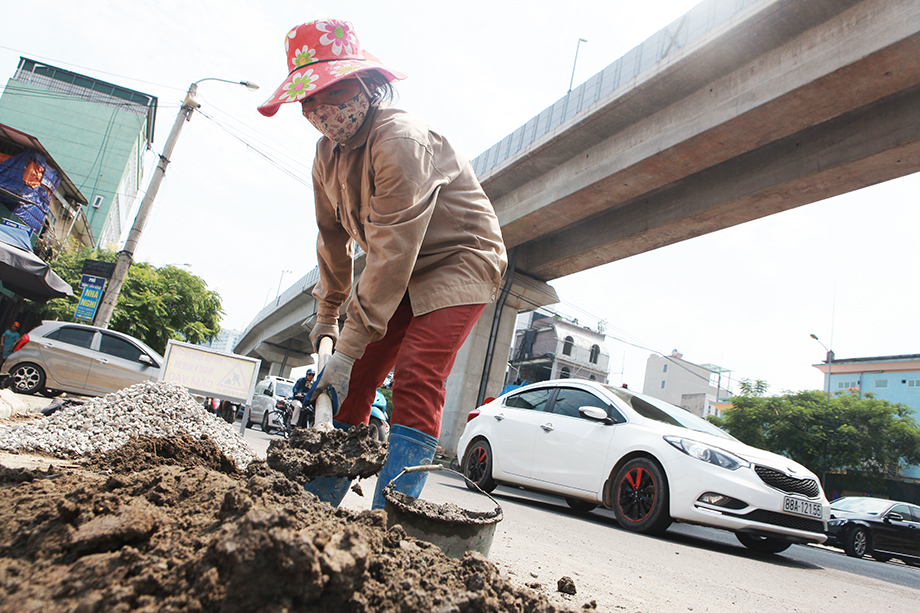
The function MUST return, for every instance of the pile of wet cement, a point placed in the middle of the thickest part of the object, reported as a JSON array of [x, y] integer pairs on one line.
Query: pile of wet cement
[[183, 536]]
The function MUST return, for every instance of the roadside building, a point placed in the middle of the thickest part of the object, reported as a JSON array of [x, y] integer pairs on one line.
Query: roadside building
[[547, 347], [37, 195], [96, 131], [40, 208], [699, 388], [895, 378]]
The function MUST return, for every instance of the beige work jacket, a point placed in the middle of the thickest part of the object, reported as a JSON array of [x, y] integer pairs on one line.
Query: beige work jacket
[[415, 207]]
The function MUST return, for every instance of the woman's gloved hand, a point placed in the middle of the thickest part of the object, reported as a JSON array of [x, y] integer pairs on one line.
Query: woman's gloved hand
[[334, 377], [321, 330]]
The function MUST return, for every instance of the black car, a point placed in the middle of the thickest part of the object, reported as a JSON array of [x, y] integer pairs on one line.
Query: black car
[[883, 529]]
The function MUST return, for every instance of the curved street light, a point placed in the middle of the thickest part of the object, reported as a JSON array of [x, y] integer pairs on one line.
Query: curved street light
[[126, 255], [830, 363]]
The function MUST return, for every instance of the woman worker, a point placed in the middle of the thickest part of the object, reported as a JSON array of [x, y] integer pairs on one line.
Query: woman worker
[[384, 180]]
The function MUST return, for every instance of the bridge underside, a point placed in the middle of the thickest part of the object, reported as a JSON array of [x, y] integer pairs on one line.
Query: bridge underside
[[765, 118]]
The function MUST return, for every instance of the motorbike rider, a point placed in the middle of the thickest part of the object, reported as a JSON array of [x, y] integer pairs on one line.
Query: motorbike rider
[[302, 385], [301, 389]]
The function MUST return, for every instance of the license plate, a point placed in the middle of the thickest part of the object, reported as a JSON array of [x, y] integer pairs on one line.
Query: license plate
[[802, 507]]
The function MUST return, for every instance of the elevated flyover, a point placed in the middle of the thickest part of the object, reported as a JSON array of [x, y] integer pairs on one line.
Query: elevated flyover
[[737, 110]]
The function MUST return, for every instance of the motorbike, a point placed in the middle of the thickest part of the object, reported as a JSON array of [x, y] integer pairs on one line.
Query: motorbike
[[378, 421], [290, 414]]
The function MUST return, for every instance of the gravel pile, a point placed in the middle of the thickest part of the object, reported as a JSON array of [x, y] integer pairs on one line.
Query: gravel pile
[[156, 409]]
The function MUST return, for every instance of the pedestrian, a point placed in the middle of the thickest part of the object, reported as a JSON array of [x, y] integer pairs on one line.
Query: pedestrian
[[9, 340], [384, 180]]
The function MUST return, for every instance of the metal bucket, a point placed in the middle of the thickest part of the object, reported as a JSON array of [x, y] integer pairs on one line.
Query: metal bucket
[[451, 528]]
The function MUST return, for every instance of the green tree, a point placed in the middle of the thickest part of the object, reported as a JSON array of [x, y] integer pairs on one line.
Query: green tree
[[753, 388], [155, 304], [852, 430]]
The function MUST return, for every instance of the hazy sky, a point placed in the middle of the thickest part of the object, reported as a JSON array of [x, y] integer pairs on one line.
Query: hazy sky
[[236, 202]]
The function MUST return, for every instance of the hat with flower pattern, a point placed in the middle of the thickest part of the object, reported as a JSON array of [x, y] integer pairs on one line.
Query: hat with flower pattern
[[320, 53]]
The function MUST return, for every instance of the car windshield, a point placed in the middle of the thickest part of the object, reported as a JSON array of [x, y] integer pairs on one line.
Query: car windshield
[[859, 504], [659, 410], [284, 389]]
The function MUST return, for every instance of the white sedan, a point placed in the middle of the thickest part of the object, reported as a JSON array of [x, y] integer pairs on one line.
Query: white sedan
[[649, 461]]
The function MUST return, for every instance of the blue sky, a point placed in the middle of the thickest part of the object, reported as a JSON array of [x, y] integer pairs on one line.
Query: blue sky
[[236, 202]]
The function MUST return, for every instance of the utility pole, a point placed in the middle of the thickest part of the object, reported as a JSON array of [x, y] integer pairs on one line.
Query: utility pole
[[126, 255]]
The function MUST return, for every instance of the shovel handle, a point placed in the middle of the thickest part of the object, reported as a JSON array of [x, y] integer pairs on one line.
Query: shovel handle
[[324, 402]]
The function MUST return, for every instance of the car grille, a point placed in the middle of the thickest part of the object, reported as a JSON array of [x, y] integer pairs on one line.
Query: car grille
[[786, 521], [785, 483]]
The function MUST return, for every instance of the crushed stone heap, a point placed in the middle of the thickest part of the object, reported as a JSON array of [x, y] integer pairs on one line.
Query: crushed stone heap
[[149, 409]]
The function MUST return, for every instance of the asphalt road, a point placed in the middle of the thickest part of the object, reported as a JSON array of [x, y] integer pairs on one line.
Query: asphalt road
[[690, 568]]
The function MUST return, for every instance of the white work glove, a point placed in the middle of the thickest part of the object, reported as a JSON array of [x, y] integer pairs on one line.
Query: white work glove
[[334, 378], [321, 330]]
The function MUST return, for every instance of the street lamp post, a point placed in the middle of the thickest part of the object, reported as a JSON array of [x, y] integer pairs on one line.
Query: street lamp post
[[126, 255], [572, 80], [283, 272], [830, 365]]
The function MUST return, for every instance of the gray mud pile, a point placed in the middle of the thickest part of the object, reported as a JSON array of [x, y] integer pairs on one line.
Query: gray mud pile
[[309, 453], [161, 517], [183, 536]]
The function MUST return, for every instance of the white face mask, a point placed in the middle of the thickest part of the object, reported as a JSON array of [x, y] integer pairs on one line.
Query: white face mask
[[339, 122]]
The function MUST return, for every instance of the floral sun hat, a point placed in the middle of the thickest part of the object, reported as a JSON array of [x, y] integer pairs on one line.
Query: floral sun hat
[[320, 53]]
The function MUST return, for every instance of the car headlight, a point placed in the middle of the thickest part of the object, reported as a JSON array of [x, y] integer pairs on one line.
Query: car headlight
[[708, 453]]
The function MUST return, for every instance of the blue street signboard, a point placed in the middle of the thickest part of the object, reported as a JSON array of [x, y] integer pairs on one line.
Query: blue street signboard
[[16, 224], [89, 299]]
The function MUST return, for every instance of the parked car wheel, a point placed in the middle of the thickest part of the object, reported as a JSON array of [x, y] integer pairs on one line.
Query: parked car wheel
[[477, 466], [857, 542], [762, 544], [640, 499], [28, 378], [377, 429], [581, 506]]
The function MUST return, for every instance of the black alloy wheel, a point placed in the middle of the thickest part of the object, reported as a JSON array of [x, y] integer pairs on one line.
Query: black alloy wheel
[[763, 544], [856, 543], [27, 378], [640, 497], [477, 466]]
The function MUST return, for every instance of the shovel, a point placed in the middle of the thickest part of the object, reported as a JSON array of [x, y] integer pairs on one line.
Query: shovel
[[323, 415]]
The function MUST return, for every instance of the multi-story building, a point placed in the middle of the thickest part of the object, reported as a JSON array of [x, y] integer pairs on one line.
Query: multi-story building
[[225, 341], [96, 131], [552, 348], [895, 378], [695, 387]]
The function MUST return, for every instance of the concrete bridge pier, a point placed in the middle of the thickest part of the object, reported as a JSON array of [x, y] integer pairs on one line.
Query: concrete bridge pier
[[525, 294]]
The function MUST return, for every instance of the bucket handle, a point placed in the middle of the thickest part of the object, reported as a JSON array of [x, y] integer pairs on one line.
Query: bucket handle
[[428, 468]]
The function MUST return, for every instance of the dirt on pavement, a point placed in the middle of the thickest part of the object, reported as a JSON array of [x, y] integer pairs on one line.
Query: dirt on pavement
[[168, 525]]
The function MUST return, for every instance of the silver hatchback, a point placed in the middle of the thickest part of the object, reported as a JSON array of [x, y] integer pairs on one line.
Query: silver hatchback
[[58, 357]]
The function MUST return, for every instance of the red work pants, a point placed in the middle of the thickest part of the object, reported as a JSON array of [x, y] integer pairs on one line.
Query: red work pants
[[422, 349]]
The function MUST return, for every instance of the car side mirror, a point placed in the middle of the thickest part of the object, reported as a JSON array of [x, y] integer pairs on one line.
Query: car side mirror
[[268, 392], [894, 517], [595, 413], [145, 359]]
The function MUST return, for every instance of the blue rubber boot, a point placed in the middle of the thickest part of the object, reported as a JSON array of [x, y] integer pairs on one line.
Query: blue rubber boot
[[330, 489], [407, 447]]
